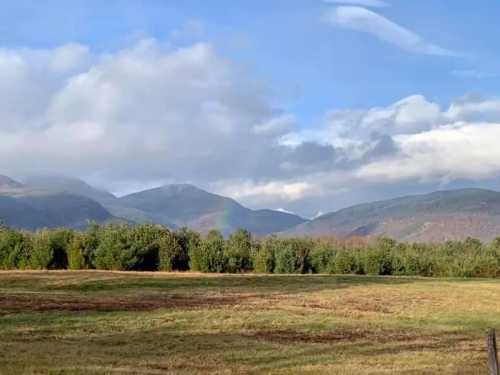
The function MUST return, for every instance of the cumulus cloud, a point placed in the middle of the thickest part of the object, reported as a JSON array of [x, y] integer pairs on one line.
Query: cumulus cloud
[[446, 153], [276, 126], [152, 114], [147, 113], [411, 140], [364, 20]]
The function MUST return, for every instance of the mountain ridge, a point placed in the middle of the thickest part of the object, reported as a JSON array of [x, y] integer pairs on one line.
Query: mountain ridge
[[437, 216], [173, 205]]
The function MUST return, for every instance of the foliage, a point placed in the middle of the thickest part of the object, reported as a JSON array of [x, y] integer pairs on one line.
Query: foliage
[[208, 255], [154, 247], [293, 256], [123, 247], [264, 255], [237, 252], [15, 249]]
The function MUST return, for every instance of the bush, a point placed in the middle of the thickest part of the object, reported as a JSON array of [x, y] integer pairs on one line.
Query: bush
[[377, 260], [42, 252], [208, 255], [152, 247], [81, 252], [323, 257], [50, 249], [237, 252], [413, 260], [122, 247], [188, 240], [347, 262], [293, 256], [170, 251], [15, 249], [263, 255]]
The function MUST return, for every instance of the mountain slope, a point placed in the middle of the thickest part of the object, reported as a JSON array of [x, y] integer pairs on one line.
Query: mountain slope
[[436, 217], [187, 205], [63, 201], [7, 184], [62, 184], [50, 210], [51, 202], [21, 215]]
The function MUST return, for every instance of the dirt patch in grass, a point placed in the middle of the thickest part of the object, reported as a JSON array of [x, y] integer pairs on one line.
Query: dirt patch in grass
[[347, 335], [37, 302]]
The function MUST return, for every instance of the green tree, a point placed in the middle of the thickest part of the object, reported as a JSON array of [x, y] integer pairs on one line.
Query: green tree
[[208, 256], [237, 251]]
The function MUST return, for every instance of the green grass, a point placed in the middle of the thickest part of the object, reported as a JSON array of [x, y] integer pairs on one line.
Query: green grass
[[103, 322]]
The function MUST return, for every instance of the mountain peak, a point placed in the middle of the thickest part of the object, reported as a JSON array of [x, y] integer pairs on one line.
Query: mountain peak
[[69, 184], [180, 188], [9, 183]]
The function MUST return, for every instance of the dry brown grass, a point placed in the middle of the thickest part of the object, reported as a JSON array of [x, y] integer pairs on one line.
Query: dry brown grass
[[115, 322]]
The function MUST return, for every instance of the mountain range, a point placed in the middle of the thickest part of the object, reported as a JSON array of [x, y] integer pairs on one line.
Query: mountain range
[[434, 217], [62, 201]]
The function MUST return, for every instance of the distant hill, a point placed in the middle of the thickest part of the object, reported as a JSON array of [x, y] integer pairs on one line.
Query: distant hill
[[187, 205], [50, 210], [61, 184], [436, 217], [18, 214], [57, 201], [8, 184]]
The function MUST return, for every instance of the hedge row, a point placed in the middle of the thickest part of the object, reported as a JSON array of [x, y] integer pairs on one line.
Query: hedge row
[[151, 247]]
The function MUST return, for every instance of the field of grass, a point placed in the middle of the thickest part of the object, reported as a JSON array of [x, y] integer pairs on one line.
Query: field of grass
[[93, 322]]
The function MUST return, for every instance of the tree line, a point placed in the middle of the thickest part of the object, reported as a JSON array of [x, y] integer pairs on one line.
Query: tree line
[[150, 247]]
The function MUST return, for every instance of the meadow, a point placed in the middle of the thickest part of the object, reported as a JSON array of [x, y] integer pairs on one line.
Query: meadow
[[105, 322]]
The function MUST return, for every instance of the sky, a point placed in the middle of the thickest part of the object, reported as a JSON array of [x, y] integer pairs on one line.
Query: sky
[[306, 105]]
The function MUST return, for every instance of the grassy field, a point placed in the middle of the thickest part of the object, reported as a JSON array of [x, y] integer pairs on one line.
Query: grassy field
[[103, 322]]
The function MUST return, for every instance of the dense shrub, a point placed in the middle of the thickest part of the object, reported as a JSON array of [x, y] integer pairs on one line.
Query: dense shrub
[[15, 249], [293, 256], [237, 252], [50, 249], [154, 247], [377, 259], [348, 261], [412, 260], [264, 253], [323, 257], [82, 249], [208, 255], [123, 247], [42, 252], [170, 251], [188, 240]]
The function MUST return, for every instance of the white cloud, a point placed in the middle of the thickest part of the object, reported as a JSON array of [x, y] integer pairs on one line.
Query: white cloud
[[275, 126], [450, 152], [266, 192], [147, 111], [474, 109], [367, 21], [151, 114], [412, 139]]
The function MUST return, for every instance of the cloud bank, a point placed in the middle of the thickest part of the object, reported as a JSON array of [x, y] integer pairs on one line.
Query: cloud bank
[[152, 114]]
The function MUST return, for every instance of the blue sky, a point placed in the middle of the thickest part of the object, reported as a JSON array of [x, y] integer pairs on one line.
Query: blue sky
[[312, 66], [325, 91]]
